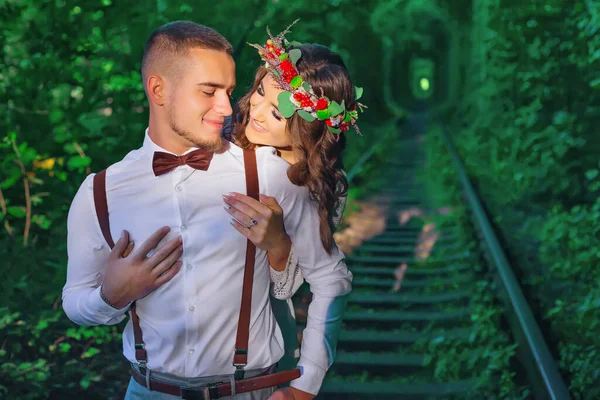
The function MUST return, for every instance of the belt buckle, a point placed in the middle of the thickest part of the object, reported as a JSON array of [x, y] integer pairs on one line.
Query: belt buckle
[[209, 392]]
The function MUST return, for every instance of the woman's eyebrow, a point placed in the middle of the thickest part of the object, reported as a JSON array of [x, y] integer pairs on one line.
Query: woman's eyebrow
[[263, 89]]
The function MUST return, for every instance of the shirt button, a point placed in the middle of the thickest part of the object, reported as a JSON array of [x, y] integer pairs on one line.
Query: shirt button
[[178, 188], [189, 266], [192, 308], [192, 351], [183, 227]]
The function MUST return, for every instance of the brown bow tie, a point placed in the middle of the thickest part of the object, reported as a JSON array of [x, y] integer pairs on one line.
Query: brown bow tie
[[165, 162]]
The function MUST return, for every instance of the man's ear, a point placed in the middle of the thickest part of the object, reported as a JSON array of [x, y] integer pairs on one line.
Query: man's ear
[[156, 89]]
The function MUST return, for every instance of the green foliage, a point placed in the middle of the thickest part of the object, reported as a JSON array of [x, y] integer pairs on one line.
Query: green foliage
[[407, 21], [488, 353], [487, 350], [72, 103], [569, 248], [45, 356], [368, 178], [526, 133]]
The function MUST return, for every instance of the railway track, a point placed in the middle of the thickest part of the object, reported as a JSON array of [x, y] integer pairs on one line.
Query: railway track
[[384, 349]]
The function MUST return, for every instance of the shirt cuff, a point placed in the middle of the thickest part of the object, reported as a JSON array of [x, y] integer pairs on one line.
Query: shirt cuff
[[282, 288], [104, 310], [312, 377]]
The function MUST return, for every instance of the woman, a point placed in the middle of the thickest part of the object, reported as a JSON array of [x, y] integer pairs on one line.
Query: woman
[[301, 108], [312, 145]]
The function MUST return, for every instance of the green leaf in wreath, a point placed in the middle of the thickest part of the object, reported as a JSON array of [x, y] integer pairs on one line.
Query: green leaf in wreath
[[285, 105], [359, 92], [295, 55], [306, 86], [306, 115], [334, 130], [336, 108]]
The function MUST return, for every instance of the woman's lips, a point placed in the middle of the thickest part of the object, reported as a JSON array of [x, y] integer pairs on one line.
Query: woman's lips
[[256, 126]]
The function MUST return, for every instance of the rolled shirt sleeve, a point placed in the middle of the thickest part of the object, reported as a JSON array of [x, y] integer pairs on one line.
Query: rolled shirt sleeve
[[88, 254]]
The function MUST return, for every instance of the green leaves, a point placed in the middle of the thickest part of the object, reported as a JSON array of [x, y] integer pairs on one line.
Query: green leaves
[[306, 116], [78, 162], [285, 105], [93, 122], [358, 91], [335, 108], [18, 212], [295, 55]]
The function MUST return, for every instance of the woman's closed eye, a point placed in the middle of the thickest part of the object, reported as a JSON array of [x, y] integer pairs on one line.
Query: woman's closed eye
[[260, 91], [209, 94], [277, 116]]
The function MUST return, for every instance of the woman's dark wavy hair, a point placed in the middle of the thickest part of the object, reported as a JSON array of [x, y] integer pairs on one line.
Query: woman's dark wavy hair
[[319, 164]]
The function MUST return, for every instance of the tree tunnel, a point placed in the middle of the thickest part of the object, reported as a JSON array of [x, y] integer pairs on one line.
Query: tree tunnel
[[421, 63]]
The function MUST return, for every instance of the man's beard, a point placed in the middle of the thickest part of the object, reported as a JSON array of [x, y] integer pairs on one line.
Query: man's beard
[[211, 146]]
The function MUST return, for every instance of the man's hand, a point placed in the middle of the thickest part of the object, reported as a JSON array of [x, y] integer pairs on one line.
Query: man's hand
[[290, 393], [129, 277], [267, 231]]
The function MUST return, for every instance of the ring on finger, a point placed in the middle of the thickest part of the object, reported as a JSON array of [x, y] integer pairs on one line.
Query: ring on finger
[[253, 222]]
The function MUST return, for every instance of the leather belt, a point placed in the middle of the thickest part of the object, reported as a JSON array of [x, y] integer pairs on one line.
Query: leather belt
[[221, 389]]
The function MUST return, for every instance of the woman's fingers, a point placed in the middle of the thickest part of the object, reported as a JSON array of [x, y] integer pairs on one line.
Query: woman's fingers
[[168, 261], [241, 229], [243, 218], [270, 202], [151, 243], [248, 205]]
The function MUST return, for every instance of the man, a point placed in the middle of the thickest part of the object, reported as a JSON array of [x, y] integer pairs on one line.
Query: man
[[187, 290]]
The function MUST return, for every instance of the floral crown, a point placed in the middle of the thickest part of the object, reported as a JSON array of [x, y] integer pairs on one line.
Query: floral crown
[[298, 95]]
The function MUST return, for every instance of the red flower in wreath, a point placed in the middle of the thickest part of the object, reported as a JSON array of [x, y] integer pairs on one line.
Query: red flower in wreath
[[287, 66], [321, 104]]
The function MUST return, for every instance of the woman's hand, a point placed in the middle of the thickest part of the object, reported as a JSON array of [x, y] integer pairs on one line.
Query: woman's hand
[[262, 223]]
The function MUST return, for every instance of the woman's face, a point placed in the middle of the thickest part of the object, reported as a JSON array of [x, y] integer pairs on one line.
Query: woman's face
[[266, 125]]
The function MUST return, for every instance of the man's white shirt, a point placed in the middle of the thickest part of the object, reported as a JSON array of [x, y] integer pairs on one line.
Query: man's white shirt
[[189, 324]]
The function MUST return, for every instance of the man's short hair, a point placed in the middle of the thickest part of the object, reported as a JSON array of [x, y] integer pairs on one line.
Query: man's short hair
[[172, 42]]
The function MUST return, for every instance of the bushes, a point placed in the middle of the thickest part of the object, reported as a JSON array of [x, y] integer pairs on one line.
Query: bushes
[[45, 356], [528, 139], [569, 247], [71, 103]]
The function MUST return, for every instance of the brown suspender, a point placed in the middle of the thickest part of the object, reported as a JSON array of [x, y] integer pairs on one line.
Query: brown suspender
[[102, 213], [240, 358], [102, 206]]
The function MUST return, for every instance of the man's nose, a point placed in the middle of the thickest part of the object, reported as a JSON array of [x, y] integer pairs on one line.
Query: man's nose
[[223, 105]]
